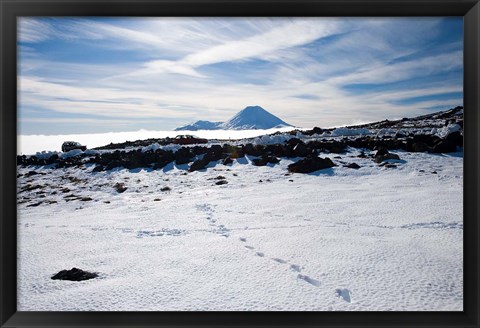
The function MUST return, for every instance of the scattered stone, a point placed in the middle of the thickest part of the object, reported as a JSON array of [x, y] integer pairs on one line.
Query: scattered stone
[[228, 160], [220, 177], [353, 166], [29, 187], [106, 202], [86, 199], [362, 155], [390, 166], [120, 187], [166, 189], [157, 200], [35, 204], [74, 275], [310, 164], [384, 157], [221, 182], [30, 173]]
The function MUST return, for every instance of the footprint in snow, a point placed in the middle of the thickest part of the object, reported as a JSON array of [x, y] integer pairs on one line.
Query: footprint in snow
[[249, 247], [343, 293], [295, 267], [310, 280], [279, 260], [260, 254], [243, 239]]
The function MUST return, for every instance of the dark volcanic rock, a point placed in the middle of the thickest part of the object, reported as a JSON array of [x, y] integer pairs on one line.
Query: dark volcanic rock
[[381, 151], [382, 154], [390, 166], [353, 166], [264, 160], [228, 160], [199, 164], [381, 158], [429, 139], [183, 156], [310, 164], [420, 147], [98, 168], [301, 150], [120, 187], [456, 138], [444, 146], [74, 275]]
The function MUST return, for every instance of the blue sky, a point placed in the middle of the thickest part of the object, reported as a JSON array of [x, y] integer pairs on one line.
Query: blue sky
[[88, 75]]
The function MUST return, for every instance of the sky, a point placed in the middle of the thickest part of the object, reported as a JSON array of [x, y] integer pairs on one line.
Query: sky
[[93, 75]]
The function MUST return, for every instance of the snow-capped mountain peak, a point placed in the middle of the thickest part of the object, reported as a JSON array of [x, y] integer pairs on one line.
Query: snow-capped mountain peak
[[253, 117], [249, 118]]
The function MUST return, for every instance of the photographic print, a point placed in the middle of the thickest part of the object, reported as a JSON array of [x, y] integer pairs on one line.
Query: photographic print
[[240, 164]]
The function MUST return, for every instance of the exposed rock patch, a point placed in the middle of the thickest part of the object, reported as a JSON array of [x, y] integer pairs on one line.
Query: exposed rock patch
[[74, 274]]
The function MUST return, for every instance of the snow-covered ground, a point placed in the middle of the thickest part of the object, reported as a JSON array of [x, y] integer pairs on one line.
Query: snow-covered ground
[[372, 239]]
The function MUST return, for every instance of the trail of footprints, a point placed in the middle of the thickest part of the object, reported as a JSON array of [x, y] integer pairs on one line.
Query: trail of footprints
[[216, 228], [295, 268]]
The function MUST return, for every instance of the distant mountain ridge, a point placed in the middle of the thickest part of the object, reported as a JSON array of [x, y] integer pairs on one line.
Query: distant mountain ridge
[[200, 125], [250, 118]]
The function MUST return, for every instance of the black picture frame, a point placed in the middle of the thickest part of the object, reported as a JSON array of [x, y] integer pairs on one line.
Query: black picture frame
[[10, 10]]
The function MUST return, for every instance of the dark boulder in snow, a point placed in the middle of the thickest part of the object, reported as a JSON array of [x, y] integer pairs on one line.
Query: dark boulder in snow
[[444, 146], [456, 138], [353, 166], [419, 147], [253, 150], [381, 158], [199, 164], [301, 150], [74, 275], [381, 151], [310, 164], [120, 187], [382, 154], [228, 160], [221, 182], [264, 160], [429, 139], [183, 156]]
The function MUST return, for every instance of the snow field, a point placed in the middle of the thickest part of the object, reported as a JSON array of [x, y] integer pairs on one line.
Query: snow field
[[372, 239]]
